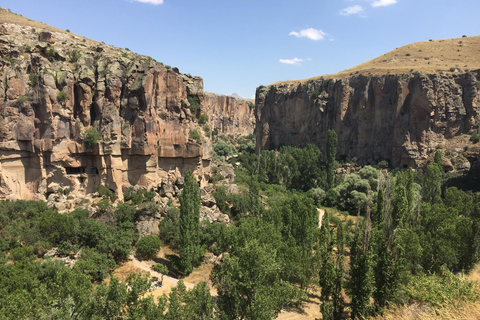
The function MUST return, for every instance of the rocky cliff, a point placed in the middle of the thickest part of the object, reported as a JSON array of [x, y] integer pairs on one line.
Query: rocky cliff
[[229, 115], [75, 113], [401, 118]]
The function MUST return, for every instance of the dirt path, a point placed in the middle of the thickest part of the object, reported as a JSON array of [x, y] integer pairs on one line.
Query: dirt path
[[321, 212]]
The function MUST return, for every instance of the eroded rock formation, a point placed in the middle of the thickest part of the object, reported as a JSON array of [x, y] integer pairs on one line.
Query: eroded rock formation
[[400, 118], [56, 87]]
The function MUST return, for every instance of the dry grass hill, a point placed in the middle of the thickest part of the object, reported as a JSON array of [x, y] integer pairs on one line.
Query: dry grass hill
[[432, 56]]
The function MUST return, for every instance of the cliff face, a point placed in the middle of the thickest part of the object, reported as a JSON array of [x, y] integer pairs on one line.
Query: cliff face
[[55, 87], [229, 115], [400, 118]]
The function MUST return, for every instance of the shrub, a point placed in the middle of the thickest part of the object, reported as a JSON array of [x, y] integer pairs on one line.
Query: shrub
[[62, 96], [22, 253], [124, 54], [168, 67], [317, 194], [203, 118], [195, 136], [315, 94], [74, 55], [194, 104], [33, 78], [24, 98], [475, 137], [169, 227], [27, 49], [160, 268], [477, 84], [51, 54], [148, 246], [216, 177], [91, 136], [207, 130], [251, 105]]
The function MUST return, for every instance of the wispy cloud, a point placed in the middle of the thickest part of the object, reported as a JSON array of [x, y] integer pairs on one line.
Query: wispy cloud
[[155, 2], [294, 61], [356, 9], [383, 3], [309, 33]]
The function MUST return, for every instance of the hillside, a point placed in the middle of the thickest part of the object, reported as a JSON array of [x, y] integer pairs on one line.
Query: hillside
[[432, 56]]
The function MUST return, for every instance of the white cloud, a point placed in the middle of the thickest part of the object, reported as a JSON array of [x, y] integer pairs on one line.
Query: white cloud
[[294, 61], [356, 9], [383, 3], [309, 33], [155, 2]]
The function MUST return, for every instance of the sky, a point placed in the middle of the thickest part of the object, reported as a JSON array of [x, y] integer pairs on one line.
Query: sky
[[238, 45]]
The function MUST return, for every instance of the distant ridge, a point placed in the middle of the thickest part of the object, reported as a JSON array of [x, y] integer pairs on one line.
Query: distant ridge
[[432, 56]]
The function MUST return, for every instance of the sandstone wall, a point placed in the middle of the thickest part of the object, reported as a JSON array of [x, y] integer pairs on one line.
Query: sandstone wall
[[139, 106], [401, 118], [228, 114]]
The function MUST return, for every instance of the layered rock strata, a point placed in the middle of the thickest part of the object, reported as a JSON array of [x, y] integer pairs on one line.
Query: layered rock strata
[[57, 90], [399, 118]]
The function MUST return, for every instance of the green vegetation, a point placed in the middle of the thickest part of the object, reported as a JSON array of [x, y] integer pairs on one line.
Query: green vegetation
[[315, 94], [207, 130], [191, 253], [148, 246], [62, 96], [51, 54], [194, 102], [33, 79], [475, 137], [203, 118], [194, 135], [74, 55], [91, 136]]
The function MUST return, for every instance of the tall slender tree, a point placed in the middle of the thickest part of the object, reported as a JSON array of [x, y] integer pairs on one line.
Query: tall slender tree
[[190, 249], [332, 141]]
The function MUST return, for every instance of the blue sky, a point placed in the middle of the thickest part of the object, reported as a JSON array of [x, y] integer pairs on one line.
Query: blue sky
[[238, 45]]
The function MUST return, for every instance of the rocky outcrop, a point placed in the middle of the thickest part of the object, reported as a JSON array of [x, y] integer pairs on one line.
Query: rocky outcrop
[[229, 115], [400, 118], [75, 113]]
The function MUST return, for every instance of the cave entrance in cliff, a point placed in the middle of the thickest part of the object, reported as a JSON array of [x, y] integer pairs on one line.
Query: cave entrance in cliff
[[77, 170]]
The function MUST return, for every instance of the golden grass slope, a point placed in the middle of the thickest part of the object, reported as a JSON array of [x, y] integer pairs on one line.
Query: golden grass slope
[[432, 56]]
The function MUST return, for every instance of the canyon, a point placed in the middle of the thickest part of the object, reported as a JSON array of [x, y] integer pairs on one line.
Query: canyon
[[56, 88], [400, 118]]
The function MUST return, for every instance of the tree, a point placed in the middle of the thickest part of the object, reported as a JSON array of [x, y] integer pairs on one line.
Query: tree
[[432, 186], [148, 246], [249, 283], [190, 249], [330, 157]]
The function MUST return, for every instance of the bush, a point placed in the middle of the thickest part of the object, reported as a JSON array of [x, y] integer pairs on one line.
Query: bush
[[169, 227], [203, 118], [315, 94], [94, 264], [74, 55], [62, 96], [207, 130], [91, 136], [223, 149], [216, 177], [51, 54], [194, 135], [250, 105], [22, 253], [160, 268], [148, 246], [33, 78], [194, 104], [475, 137]]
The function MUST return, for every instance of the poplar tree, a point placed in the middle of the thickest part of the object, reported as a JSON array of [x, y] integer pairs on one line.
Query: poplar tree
[[190, 249], [330, 157]]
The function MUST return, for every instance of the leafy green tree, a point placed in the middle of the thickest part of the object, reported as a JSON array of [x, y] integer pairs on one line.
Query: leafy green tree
[[432, 184], [148, 246], [190, 249], [249, 284], [332, 141], [94, 264]]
